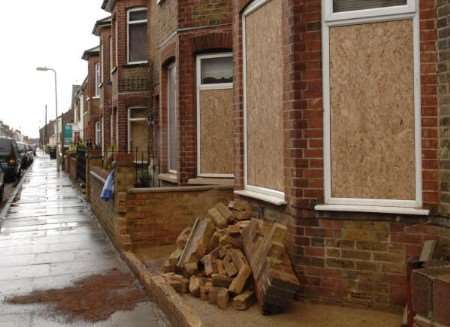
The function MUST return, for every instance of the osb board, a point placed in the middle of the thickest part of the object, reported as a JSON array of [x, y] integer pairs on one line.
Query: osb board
[[139, 137], [216, 131], [372, 111], [264, 88]]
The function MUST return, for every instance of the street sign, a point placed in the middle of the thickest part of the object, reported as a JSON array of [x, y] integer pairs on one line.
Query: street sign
[[67, 134]]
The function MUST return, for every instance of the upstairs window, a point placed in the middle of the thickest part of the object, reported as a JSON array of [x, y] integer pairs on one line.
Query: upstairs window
[[98, 77], [361, 9], [137, 35], [217, 70]]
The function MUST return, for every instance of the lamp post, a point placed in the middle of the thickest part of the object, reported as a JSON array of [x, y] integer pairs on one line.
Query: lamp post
[[46, 69]]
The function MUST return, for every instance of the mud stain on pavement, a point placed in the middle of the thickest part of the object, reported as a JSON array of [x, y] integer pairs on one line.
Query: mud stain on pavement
[[91, 299]]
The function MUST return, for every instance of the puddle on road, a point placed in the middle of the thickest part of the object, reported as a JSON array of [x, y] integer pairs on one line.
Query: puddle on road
[[92, 299]]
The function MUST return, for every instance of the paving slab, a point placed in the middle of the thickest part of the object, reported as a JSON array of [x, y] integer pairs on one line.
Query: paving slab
[[49, 240]]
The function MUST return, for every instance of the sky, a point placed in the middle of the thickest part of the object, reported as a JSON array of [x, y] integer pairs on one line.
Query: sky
[[34, 33]]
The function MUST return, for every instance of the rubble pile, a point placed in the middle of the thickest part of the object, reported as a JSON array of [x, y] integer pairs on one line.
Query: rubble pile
[[230, 259]]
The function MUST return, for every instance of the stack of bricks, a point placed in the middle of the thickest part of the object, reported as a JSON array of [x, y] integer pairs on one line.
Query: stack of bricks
[[275, 280], [431, 296]]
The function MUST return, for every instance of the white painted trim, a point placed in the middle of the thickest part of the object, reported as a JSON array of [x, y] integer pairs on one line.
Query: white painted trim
[[169, 68], [135, 22], [370, 203], [253, 191], [130, 120], [98, 72], [263, 197], [372, 209], [202, 87], [330, 16]]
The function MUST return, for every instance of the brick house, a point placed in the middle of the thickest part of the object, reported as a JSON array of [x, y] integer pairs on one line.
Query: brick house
[[191, 54], [102, 29], [92, 118], [130, 75], [336, 130]]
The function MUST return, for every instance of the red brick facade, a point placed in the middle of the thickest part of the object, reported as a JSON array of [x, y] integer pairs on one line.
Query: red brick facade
[[206, 29], [130, 82], [346, 257], [93, 113]]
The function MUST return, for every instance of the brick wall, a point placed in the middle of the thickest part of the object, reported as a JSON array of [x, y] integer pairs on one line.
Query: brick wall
[[214, 16], [203, 12], [158, 216], [444, 104], [354, 258], [130, 83]]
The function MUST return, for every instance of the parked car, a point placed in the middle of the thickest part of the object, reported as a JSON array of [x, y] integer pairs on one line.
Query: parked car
[[2, 184], [10, 159], [30, 154], [22, 147]]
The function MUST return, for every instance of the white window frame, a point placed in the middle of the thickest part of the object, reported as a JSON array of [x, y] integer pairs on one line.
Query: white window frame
[[98, 137], [131, 120], [97, 79], [111, 56], [202, 87], [262, 193], [102, 56], [366, 14], [170, 67], [350, 18], [135, 22]]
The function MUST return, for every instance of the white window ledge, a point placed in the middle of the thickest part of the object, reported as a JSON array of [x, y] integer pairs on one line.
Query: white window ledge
[[169, 177], [372, 209], [263, 197]]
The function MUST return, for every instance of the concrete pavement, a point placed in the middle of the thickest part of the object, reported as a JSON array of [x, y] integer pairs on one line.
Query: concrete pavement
[[50, 239]]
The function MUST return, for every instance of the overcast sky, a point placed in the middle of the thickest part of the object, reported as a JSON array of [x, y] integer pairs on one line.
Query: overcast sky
[[35, 33]]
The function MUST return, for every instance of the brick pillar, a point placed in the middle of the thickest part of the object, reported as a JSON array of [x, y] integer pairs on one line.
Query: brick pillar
[[444, 104]]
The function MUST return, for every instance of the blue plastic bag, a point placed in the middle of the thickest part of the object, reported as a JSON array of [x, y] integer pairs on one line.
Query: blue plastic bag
[[108, 188]]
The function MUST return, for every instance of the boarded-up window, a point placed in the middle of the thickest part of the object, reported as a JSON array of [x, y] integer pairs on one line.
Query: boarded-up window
[[138, 133], [215, 115], [372, 110], [263, 98]]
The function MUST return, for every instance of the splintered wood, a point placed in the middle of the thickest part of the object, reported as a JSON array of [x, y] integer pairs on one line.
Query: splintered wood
[[275, 281], [216, 259]]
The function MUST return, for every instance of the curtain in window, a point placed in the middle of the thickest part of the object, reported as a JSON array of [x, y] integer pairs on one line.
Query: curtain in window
[[351, 5]]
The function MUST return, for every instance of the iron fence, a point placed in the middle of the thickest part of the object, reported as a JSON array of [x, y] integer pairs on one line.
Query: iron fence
[[146, 170]]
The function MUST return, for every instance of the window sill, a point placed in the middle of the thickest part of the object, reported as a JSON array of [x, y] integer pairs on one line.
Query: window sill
[[372, 209], [258, 196], [170, 178], [211, 181], [136, 64]]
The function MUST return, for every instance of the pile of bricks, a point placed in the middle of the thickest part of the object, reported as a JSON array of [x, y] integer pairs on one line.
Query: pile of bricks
[[228, 259], [430, 288]]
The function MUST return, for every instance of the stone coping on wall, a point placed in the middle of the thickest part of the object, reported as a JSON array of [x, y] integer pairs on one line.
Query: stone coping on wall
[[179, 189]]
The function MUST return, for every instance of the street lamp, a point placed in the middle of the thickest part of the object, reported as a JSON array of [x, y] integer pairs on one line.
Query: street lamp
[[46, 69]]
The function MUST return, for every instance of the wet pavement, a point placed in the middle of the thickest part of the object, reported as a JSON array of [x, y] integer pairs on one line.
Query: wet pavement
[[50, 239]]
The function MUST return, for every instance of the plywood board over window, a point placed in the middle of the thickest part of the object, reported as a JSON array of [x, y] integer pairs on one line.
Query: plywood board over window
[[372, 115], [263, 97], [216, 131]]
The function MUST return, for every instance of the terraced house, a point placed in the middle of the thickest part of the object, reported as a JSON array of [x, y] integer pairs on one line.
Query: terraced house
[[328, 116]]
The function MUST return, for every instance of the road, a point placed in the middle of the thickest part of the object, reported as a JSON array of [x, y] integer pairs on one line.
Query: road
[[58, 267]]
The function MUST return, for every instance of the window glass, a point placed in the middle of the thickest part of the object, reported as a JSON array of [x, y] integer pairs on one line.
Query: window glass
[[138, 15], [352, 5], [217, 70], [138, 113], [5, 147], [138, 42]]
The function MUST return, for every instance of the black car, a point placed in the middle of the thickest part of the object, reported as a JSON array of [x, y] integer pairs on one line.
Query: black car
[[2, 184], [10, 158], [22, 148]]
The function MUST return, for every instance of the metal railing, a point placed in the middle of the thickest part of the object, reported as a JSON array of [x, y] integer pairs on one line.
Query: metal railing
[[145, 167]]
